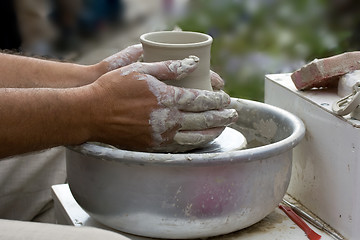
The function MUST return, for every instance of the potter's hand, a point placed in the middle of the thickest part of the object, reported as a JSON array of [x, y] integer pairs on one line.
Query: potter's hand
[[124, 57], [134, 110]]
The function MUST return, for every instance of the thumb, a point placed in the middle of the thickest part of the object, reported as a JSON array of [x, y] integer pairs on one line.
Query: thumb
[[125, 57]]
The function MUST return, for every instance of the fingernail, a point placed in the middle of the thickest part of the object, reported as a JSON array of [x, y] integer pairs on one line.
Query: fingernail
[[189, 62], [184, 67], [194, 58]]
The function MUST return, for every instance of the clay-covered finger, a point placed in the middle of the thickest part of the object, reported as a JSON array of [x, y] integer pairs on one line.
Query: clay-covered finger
[[166, 70], [194, 100], [125, 57], [217, 82], [208, 119]]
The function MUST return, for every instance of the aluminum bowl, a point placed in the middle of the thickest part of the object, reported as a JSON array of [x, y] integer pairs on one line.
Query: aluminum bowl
[[190, 195]]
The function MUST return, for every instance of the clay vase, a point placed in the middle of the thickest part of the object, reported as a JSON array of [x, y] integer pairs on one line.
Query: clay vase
[[176, 45]]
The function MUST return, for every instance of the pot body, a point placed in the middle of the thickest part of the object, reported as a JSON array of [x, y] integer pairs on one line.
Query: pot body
[[177, 45], [176, 196]]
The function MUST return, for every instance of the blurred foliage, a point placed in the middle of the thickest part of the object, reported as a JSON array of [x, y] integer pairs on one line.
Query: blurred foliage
[[256, 37]]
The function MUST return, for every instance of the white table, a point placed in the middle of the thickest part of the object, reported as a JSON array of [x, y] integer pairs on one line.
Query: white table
[[275, 226]]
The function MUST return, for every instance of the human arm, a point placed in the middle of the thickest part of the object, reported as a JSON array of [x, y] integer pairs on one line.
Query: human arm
[[25, 72], [128, 107], [38, 118]]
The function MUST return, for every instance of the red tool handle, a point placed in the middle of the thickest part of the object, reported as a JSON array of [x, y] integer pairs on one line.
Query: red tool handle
[[293, 216]]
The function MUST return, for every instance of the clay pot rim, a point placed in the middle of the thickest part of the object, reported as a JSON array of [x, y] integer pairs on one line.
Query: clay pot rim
[[207, 39]]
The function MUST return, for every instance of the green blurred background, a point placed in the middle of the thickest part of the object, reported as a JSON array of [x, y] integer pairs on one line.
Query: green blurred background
[[251, 37], [256, 37]]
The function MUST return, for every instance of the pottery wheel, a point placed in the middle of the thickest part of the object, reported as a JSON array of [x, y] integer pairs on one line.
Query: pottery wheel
[[229, 140]]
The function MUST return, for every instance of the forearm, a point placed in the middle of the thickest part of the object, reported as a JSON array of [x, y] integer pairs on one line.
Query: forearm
[[26, 72], [35, 119]]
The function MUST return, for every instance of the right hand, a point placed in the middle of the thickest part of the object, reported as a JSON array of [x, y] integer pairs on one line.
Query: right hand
[[133, 110]]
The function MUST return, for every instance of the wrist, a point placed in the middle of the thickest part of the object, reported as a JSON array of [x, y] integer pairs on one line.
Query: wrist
[[79, 110], [92, 111], [97, 70], [80, 75], [66, 112]]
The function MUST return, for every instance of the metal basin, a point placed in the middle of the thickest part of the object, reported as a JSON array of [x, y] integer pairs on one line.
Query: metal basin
[[190, 195]]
